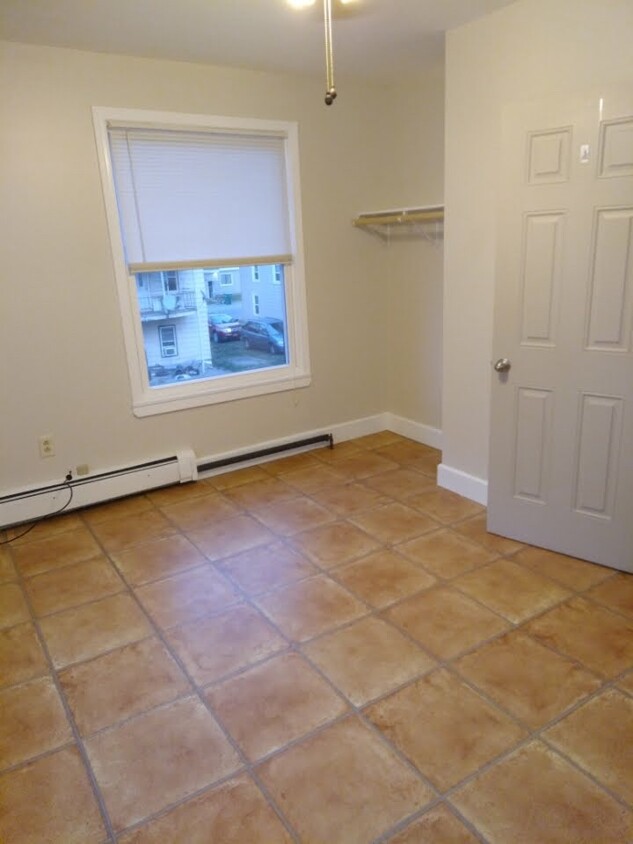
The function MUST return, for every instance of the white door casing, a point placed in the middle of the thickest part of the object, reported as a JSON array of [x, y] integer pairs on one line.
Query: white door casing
[[561, 451]]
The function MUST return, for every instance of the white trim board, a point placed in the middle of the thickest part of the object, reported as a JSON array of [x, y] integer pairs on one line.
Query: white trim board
[[462, 483]]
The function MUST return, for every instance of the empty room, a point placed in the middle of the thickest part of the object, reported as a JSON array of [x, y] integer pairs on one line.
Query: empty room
[[316, 440]]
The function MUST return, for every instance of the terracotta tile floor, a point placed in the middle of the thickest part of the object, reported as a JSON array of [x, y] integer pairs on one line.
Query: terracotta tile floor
[[326, 649]]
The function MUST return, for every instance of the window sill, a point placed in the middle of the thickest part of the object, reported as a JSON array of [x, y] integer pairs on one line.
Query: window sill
[[168, 399]]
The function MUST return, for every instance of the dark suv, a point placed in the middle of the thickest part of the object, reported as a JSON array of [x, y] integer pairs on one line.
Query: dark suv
[[264, 333]]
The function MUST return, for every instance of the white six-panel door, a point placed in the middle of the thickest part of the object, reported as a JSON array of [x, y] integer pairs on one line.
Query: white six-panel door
[[561, 466]]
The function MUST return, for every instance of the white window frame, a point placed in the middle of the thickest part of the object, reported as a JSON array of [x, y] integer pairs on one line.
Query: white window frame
[[147, 400], [255, 304], [277, 274]]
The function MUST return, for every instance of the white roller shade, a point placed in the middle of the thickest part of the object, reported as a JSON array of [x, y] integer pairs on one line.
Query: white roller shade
[[200, 196]]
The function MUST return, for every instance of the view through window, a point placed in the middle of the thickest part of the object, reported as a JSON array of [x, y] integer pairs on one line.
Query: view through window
[[207, 323]]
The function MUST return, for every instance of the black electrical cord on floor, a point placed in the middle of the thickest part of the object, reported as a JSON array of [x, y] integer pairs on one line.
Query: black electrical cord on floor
[[66, 483]]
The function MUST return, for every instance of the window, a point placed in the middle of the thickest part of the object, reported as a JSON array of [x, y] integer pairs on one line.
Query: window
[[199, 208], [170, 281], [167, 340]]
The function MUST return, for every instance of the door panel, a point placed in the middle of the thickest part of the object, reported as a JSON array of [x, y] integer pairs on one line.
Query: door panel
[[561, 466]]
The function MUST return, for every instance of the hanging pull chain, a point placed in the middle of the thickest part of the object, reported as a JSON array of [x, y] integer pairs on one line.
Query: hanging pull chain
[[330, 94]]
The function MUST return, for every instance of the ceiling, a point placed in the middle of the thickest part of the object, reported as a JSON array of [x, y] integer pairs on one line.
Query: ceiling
[[381, 40]]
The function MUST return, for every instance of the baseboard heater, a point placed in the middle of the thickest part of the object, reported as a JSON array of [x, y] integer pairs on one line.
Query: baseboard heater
[[40, 502], [270, 451]]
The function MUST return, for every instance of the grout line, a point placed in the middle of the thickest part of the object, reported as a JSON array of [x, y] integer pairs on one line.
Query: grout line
[[83, 754], [296, 647]]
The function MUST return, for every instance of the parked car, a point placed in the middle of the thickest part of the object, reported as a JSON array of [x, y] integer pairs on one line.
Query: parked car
[[224, 327], [264, 333]]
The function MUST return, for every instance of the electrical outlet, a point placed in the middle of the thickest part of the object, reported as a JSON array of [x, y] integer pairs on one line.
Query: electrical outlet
[[82, 469], [47, 446]]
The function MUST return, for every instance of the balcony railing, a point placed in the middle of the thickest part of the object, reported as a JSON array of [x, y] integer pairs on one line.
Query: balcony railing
[[165, 304]]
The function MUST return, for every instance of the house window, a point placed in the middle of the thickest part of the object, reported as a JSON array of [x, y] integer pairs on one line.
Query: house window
[[170, 281], [183, 193], [167, 340]]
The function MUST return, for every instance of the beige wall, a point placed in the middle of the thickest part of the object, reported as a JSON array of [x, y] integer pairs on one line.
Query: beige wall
[[63, 368], [533, 49]]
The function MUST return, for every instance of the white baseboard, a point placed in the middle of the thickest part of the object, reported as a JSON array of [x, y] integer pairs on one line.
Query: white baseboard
[[460, 482], [341, 432], [414, 430]]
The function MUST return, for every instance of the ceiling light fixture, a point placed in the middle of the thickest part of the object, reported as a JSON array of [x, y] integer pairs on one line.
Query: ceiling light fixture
[[330, 91]]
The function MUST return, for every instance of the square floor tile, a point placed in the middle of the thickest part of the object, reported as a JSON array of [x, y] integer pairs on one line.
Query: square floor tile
[[179, 493], [200, 511], [311, 478], [343, 785], [532, 682], [273, 704], [73, 585], [293, 516], [461, 732], [33, 721], [394, 522], [446, 622], [476, 530], [511, 590], [413, 456], [534, 795], [83, 632], [137, 677], [158, 758], [599, 738], [383, 577], [7, 569], [334, 544], [581, 630], [232, 478], [187, 596], [347, 499], [233, 813], [262, 569], [40, 555], [364, 464], [13, 607], [230, 537], [259, 493], [400, 483], [128, 507], [21, 655], [290, 463], [380, 439], [310, 607], [445, 553], [445, 506], [125, 532], [50, 800], [157, 559], [572, 573], [213, 647], [616, 593], [21, 534], [339, 451], [437, 826], [368, 659]]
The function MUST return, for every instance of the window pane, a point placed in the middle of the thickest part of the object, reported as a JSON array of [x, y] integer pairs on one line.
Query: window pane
[[209, 323]]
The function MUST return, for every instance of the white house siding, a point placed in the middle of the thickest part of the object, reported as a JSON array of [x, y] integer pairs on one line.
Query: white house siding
[[271, 294]]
